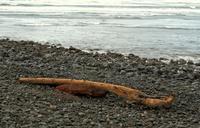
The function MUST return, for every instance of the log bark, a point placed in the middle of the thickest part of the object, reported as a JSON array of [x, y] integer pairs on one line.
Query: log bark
[[130, 94], [81, 90]]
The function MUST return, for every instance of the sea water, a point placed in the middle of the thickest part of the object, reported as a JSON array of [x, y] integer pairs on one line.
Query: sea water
[[148, 28]]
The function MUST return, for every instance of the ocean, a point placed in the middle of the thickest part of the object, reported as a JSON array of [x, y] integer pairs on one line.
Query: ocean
[[148, 28]]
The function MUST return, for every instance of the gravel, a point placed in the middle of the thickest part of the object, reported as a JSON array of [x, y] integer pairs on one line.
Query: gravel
[[25, 105]]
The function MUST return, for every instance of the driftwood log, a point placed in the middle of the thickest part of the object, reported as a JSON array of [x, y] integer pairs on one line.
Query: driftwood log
[[81, 90], [99, 89]]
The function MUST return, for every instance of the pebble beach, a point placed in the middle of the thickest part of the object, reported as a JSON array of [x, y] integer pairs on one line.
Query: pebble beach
[[25, 105]]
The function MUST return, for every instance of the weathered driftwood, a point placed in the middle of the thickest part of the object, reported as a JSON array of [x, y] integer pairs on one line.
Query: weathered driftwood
[[130, 94], [81, 90]]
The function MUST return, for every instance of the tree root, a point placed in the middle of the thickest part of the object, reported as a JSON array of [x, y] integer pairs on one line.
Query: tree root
[[99, 89]]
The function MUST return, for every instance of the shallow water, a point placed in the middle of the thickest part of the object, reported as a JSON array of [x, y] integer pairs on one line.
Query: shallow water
[[151, 28]]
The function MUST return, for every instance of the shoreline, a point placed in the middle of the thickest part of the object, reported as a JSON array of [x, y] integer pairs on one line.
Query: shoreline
[[166, 58], [41, 106]]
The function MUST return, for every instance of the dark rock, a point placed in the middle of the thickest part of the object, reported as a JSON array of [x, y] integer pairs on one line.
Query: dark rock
[[190, 62], [114, 55], [75, 50], [197, 64], [4, 54], [163, 58], [141, 67]]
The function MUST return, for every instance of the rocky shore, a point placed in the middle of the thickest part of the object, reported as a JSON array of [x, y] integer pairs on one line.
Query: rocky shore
[[24, 105]]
